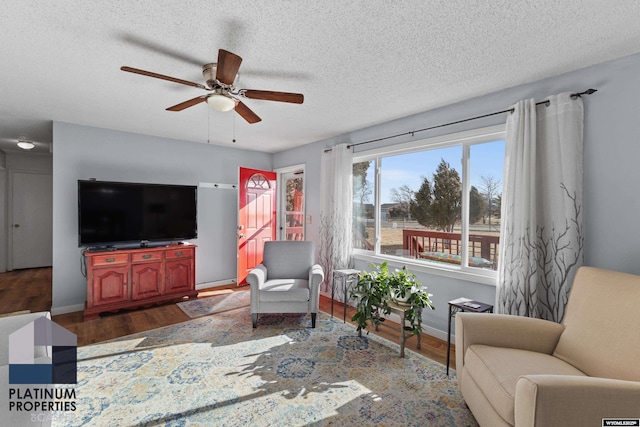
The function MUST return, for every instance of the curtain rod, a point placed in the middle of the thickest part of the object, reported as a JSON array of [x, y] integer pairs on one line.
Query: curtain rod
[[510, 110]]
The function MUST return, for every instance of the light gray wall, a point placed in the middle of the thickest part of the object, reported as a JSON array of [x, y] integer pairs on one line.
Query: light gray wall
[[611, 172], [82, 152], [29, 162]]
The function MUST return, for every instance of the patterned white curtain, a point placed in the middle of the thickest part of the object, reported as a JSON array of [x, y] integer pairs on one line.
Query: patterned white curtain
[[541, 232], [336, 211]]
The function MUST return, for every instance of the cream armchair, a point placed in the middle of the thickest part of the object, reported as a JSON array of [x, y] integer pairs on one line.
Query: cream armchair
[[288, 280], [519, 371]]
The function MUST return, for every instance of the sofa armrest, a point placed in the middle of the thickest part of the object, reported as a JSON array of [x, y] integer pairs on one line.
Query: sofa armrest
[[255, 279], [257, 276], [316, 276], [573, 401], [503, 330]]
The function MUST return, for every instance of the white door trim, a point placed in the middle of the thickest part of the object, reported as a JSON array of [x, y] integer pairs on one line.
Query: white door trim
[[281, 200], [4, 203]]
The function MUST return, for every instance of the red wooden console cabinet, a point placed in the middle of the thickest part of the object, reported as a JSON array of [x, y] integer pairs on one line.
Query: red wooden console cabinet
[[130, 278]]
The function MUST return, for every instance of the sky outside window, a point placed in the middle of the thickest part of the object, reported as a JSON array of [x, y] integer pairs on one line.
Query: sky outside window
[[409, 169]]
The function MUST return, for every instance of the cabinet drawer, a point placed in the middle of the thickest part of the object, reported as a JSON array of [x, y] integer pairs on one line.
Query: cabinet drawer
[[110, 259], [179, 253], [146, 256]]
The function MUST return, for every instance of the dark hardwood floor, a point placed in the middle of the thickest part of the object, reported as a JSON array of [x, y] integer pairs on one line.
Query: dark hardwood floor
[[25, 290], [31, 290]]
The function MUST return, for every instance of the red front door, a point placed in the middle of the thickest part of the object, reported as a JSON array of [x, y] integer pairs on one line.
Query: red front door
[[256, 218]]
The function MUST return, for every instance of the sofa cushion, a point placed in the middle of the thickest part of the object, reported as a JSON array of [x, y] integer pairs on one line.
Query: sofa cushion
[[601, 325], [496, 371], [283, 290]]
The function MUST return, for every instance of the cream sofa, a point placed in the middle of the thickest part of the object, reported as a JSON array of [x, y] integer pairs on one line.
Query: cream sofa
[[519, 371]]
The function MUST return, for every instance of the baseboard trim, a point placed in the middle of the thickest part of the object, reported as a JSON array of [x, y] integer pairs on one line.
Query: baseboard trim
[[437, 333], [66, 309], [215, 284]]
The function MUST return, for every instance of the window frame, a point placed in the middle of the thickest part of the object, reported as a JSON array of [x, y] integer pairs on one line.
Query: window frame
[[465, 140]]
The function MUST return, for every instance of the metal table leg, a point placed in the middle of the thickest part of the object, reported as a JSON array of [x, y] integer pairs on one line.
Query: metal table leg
[[333, 289], [402, 336], [344, 290], [449, 339]]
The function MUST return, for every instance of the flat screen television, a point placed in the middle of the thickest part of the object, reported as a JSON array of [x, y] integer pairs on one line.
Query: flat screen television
[[119, 213]]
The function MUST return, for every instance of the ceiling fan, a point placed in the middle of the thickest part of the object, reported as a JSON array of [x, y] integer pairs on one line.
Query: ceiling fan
[[222, 96]]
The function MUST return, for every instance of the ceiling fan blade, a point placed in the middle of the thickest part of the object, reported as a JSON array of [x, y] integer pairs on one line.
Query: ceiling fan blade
[[187, 104], [228, 66], [268, 95], [246, 113], [161, 76]]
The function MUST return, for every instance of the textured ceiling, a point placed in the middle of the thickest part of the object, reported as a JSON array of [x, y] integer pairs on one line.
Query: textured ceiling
[[358, 63]]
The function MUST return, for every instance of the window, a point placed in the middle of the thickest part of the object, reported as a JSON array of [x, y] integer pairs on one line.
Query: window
[[291, 217], [436, 201]]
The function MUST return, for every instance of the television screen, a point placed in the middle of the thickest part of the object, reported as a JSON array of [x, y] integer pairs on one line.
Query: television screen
[[120, 212]]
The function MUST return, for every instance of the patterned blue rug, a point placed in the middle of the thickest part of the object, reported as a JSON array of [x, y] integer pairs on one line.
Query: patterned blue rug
[[215, 304], [219, 371]]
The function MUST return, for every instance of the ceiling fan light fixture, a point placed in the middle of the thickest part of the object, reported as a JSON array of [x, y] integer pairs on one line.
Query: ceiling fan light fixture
[[26, 145], [221, 102]]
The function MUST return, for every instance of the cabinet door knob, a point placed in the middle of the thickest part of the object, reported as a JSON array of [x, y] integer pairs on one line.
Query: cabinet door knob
[[16, 225], [109, 260], [179, 253], [147, 256]]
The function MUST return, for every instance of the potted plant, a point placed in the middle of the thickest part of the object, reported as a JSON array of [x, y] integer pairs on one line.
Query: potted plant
[[372, 295], [377, 288]]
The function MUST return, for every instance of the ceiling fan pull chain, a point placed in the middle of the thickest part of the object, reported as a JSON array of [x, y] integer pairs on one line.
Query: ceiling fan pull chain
[[234, 129]]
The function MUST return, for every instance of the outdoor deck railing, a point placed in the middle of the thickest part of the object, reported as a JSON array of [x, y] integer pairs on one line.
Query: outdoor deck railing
[[360, 241], [417, 242]]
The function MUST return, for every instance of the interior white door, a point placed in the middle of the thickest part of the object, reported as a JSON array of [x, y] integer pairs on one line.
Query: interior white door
[[31, 220]]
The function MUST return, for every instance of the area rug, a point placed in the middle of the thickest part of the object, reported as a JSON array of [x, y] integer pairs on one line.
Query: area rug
[[219, 371], [215, 304]]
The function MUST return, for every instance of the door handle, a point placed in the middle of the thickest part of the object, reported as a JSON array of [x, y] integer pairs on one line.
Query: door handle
[[16, 225], [240, 236]]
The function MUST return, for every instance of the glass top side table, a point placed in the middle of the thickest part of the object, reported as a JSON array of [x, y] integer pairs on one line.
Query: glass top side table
[[463, 304]]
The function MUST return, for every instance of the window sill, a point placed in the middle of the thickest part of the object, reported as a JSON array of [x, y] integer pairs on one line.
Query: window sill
[[482, 277]]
